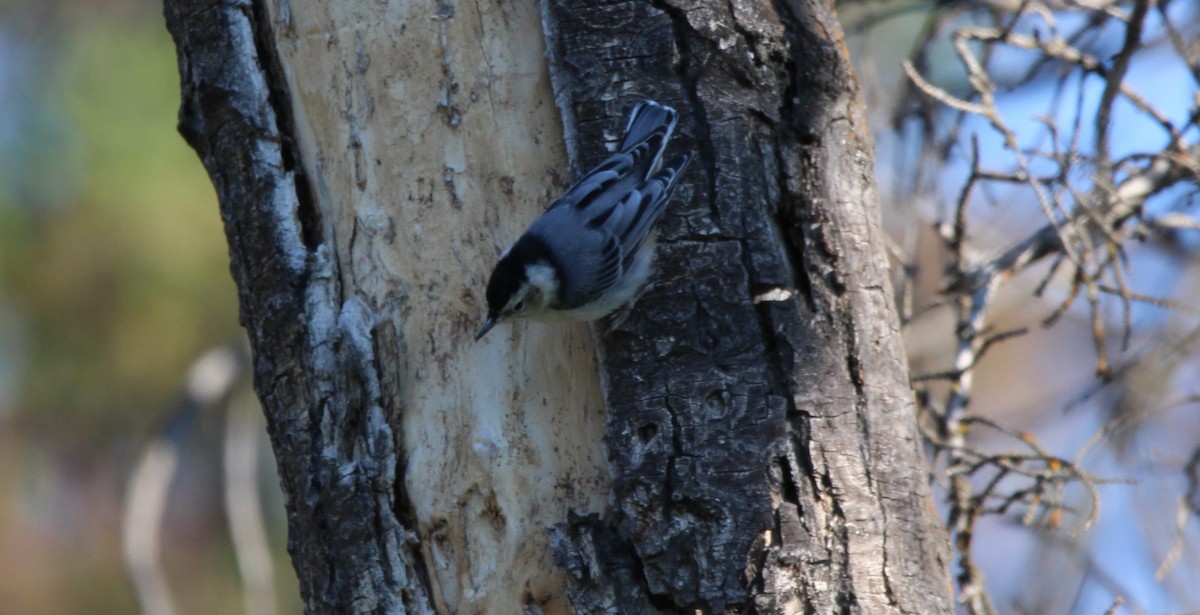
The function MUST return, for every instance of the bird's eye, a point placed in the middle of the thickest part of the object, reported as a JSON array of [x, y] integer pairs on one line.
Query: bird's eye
[[519, 306]]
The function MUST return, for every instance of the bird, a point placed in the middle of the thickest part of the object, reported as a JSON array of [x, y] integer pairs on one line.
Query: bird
[[591, 251]]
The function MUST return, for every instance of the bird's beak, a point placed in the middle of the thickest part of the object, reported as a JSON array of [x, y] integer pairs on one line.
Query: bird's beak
[[487, 326]]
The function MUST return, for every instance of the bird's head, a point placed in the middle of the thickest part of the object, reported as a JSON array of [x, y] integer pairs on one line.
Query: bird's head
[[522, 285]]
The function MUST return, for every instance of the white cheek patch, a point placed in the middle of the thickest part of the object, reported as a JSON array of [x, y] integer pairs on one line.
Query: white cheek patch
[[542, 277]]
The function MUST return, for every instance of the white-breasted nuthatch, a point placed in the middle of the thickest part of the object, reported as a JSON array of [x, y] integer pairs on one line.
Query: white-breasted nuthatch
[[590, 252]]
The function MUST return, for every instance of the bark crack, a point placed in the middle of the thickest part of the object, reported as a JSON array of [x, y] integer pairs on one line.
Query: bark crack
[[760, 383], [307, 213]]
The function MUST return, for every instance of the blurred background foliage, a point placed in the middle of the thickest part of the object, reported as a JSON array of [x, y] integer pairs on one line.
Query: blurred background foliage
[[114, 277]]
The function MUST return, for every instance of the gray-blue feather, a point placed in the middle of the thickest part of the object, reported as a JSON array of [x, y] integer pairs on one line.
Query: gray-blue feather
[[617, 203]]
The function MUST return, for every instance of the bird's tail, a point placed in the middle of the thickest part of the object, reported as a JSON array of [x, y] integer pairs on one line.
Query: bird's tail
[[647, 118]]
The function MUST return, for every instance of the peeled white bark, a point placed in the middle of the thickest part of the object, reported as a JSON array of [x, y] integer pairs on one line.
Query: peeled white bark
[[429, 138]]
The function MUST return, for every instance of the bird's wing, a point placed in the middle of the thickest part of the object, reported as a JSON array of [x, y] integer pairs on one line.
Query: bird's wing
[[633, 217], [621, 197], [597, 192], [627, 223], [646, 135]]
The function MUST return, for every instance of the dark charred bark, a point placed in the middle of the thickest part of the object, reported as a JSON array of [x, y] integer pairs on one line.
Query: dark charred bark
[[761, 432]]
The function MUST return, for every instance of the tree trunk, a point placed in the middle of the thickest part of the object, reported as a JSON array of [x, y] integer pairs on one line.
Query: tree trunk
[[371, 160]]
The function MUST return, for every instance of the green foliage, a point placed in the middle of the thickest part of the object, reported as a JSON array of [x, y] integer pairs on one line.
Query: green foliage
[[114, 277], [127, 282]]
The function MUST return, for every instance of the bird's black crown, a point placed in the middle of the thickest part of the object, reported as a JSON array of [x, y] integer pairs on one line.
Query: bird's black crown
[[509, 273]]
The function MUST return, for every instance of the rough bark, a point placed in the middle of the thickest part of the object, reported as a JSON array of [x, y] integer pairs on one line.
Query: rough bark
[[371, 159], [762, 440]]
